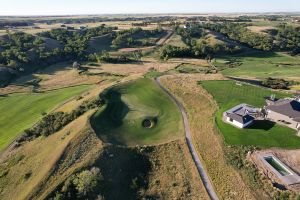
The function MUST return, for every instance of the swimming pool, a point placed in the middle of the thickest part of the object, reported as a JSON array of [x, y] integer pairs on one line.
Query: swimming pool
[[276, 164]]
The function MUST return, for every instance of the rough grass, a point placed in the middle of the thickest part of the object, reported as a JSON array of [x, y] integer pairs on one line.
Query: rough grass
[[127, 105], [37, 158], [153, 172], [176, 40], [263, 134], [21, 111], [200, 109], [262, 65]]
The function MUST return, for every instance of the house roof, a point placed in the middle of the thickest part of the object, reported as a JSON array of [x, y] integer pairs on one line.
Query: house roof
[[243, 119], [290, 108]]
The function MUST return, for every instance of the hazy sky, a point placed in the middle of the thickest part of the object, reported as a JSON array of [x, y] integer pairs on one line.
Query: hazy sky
[[63, 7]]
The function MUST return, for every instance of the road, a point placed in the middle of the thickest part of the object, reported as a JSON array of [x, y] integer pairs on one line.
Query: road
[[204, 177]]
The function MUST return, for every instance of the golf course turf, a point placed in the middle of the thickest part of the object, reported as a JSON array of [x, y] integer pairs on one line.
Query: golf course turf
[[20, 111], [127, 106], [263, 134], [262, 65]]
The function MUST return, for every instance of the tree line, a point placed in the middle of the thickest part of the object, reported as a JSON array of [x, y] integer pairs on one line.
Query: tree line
[[194, 36], [284, 38], [22, 50]]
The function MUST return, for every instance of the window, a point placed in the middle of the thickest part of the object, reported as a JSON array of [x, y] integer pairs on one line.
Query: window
[[230, 119]]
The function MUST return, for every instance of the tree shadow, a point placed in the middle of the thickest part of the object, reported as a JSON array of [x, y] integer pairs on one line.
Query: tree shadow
[[111, 117], [262, 125], [124, 172]]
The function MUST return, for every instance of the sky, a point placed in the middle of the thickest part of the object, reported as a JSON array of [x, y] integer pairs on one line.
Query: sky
[[73, 7]]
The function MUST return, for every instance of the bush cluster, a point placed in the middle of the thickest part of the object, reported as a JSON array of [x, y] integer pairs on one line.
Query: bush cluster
[[275, 83], [81, 185]]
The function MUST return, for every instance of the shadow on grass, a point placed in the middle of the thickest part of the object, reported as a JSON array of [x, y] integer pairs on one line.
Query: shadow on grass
[[111, 117], [262, 125], [125, 172]]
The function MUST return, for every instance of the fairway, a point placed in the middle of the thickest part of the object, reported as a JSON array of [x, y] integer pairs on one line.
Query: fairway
[[121, 120], [20, 111], [263, 134], [263, 65]]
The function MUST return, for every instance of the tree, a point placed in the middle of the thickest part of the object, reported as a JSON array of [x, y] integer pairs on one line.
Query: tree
[[86, 181]]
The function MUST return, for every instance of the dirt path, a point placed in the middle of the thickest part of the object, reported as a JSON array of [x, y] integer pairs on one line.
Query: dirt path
[[204, 177]]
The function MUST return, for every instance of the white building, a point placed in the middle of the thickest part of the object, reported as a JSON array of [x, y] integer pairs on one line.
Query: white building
[[240, 116]]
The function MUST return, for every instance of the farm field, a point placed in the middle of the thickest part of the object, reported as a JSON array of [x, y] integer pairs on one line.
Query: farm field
[[17, 112], [261, 65], [128, 105], [261, 134]]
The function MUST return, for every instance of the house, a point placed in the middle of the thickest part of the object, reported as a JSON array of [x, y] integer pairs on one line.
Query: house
[[284, 111], [240, 116]]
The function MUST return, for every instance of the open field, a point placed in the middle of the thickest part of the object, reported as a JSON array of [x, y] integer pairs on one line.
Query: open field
[[127, 105], [209, 145], [262, 65], [18, 113], [263, 134]]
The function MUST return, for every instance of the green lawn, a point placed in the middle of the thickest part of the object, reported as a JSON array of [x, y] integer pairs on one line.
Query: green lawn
[[127, 105], [262, 65], [20, 111], [264, 134]]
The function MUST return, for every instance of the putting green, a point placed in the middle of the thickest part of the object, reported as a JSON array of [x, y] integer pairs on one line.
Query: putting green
[[120, 121]]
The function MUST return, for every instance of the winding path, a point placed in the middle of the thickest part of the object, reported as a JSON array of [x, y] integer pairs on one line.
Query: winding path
[[204, 177]]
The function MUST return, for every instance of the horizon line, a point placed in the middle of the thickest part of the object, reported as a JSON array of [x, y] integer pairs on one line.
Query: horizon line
[[151, 13]]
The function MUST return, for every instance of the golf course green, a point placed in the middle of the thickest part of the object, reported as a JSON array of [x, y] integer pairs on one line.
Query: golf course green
[[122, 120]]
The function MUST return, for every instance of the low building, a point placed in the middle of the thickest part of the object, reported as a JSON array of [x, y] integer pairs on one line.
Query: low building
[[240, 116], [284, 111]]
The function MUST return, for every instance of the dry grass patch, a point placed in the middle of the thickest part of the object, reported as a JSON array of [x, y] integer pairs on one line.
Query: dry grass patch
[[201, 108], [260, 29], [174, 174], [137, 68], [194, 61]]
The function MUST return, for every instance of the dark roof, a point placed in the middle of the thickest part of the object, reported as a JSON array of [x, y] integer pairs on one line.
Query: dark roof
[[290, 108], [239, 118]]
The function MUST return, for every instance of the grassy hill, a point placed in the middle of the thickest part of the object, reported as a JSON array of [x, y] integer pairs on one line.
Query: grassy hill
[[100, 43], [263, 134], [128, 105], [20, 111]]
